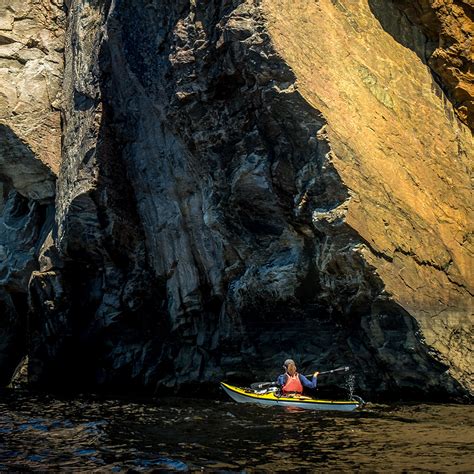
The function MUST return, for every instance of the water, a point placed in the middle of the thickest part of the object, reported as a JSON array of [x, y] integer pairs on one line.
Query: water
[[350, 385], [173, 435]]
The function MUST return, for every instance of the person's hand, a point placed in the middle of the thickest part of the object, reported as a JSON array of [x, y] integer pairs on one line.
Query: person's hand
[[315, 374]]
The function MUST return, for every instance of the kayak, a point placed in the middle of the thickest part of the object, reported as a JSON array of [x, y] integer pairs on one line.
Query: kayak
[[264, 397]]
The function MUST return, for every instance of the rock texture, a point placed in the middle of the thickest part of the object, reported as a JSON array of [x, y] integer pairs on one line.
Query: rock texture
[[23, 226], [242, 181], [31, 47], [448, 26], [412, 215]]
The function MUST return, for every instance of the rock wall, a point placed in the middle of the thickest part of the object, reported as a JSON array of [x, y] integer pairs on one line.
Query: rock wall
[[412, 215], [31, 47], [243, 181], [448, 26]]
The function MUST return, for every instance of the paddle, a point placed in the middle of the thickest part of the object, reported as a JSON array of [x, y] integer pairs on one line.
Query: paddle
[[261, 385]]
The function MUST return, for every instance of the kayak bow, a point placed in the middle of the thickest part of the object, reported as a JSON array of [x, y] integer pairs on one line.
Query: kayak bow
[[243, 395]]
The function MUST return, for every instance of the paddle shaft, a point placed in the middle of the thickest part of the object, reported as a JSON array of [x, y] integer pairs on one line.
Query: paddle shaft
[[339, 369], [269, 384]]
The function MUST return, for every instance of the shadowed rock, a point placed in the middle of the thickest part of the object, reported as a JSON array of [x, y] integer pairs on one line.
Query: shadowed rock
[[19, 166], [207, 218], [23, 227]]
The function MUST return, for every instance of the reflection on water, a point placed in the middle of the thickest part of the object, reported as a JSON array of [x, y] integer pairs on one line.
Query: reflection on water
[[44, 433]]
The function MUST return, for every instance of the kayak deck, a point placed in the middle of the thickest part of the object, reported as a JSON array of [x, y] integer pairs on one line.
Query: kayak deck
[[243, 395]]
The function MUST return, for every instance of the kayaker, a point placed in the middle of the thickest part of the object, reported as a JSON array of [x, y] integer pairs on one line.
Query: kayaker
[[293, 382]]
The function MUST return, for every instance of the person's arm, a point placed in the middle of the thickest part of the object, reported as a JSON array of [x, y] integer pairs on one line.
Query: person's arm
[[281, 380], [306, 383]]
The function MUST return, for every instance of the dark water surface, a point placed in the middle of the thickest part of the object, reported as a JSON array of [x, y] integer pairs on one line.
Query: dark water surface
[[88, 433]]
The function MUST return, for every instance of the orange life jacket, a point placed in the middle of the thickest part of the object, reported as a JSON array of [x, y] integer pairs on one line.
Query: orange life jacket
[[293, 384]]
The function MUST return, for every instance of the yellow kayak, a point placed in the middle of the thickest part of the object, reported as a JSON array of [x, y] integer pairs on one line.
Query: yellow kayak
[[264, 397]]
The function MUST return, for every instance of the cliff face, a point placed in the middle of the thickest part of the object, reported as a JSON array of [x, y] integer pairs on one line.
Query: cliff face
[[448, 26], [242, 181], [409, 211], [31, 58]]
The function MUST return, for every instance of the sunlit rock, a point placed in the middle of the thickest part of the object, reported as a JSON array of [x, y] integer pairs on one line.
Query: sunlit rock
[[246, 181]]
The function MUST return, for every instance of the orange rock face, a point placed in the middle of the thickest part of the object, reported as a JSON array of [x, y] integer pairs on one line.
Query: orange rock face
[[449, 26], [399, 148]]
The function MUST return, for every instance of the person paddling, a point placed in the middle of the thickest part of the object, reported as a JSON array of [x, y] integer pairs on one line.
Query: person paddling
[[293, 382]]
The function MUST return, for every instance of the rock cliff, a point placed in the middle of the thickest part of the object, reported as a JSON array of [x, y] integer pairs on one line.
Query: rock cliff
[[448, 27], [239, 181], [31, 72]]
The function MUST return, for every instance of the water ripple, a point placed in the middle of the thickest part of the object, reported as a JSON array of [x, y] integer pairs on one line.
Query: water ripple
[[176, 435]]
